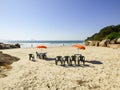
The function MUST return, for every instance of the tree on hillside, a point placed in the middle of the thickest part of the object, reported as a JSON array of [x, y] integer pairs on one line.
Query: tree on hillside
[[109, 32], [113, 35]]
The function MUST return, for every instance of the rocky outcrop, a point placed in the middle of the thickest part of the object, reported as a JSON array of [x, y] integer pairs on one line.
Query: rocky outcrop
[[92, 43], [5, 61], [97, 43], [114, 46], [118, 41], [113, 41], [17, 45], [104, 43], [8, 59], [9, 46], [87, 43]]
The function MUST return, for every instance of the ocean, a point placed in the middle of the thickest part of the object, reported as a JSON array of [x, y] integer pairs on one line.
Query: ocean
[[27, 44]]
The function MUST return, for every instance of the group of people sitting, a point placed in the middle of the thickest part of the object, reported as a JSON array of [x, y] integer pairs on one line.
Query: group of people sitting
[[67, 59]]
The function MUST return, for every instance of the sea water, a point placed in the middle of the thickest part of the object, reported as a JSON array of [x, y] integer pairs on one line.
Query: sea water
[[28, 44]]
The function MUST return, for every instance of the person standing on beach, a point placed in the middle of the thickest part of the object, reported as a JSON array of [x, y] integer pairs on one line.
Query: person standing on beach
[[31, 45]]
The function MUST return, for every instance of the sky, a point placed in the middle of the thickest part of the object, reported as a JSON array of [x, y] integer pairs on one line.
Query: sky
[[56, 19]]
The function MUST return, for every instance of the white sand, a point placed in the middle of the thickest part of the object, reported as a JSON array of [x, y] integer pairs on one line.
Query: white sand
[[45, 75]]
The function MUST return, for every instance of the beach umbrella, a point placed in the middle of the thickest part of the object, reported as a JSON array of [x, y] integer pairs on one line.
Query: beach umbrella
[[41, 47], [79, 46]]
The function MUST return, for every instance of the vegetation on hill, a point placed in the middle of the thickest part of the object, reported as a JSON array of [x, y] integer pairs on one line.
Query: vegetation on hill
[[109, 32]]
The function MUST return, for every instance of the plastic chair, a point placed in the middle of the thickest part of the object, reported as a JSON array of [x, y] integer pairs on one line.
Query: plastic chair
[[43, 56], [37, 55], [31, 56], [58, 59], [66, 59], [82, 59], [73, 58]]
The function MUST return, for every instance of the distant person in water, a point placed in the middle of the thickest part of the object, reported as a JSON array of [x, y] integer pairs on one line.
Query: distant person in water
[[31, 45]]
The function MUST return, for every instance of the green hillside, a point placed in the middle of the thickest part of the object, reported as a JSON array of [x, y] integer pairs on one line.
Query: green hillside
[[109, 32]]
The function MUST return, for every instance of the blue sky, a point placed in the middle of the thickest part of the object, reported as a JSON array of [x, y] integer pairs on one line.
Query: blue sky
[[56, 19]]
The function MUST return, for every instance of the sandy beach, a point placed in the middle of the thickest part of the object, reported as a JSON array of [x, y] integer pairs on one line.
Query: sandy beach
[[101, 70]]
